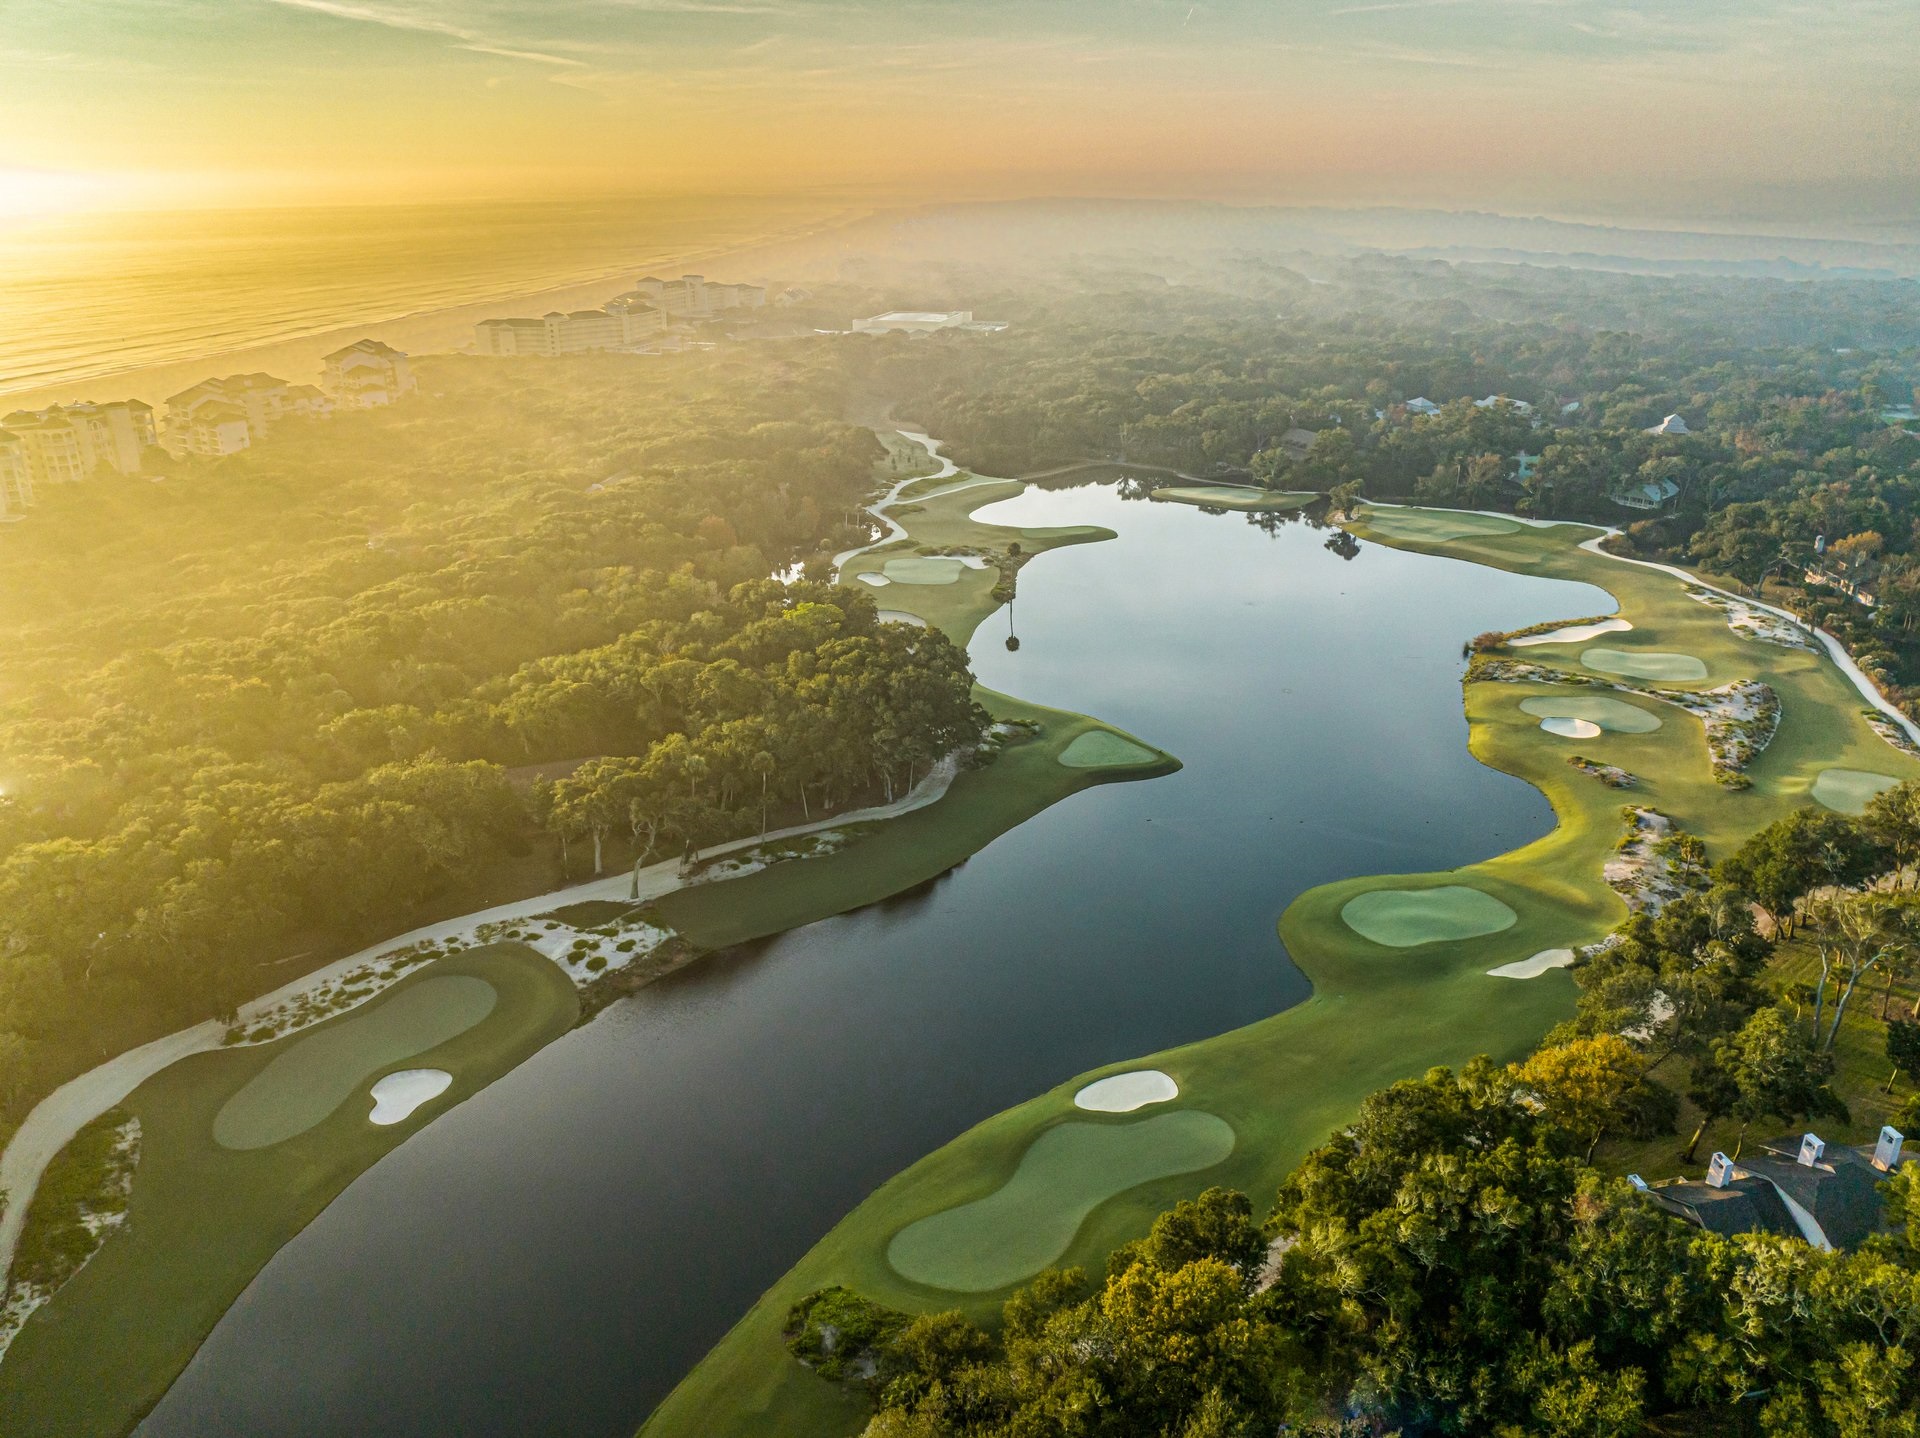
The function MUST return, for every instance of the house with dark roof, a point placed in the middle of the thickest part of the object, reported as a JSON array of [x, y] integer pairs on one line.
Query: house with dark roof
[[1830, 1197]]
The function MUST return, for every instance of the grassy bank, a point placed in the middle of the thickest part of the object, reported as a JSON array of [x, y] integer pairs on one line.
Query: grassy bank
[[1377, 1014], [204, 1219]]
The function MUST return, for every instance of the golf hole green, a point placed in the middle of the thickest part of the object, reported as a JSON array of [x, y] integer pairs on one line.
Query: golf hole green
[[1614, 715], [1065, 1174], [323, 1069], [1236, 496], [1103, 749], [1433, 524], [1850, 790], [1402, 918], [1644, 664], [923, 569]]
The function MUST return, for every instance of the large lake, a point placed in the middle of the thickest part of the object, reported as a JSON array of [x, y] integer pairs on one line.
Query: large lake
[[554, 1254]]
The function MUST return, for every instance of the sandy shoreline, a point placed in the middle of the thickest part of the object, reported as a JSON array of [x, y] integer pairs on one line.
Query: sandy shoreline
[[297, 357]]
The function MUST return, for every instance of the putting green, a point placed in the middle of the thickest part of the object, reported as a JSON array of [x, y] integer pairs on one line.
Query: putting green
[[322, 1070], [922, 569], [1237, 496], [1644, 664], [1103, 749], [1849, 790], [1402, 918], [1065, 1174], [1614, 715], [1434, 525]]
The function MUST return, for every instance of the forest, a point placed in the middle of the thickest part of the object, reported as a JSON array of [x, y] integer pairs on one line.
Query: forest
[[1452, 1262], [258, 712]]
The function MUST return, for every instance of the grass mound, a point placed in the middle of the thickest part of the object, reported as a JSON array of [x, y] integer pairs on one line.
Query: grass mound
[[1104, 749], [1644, 664], [1616, 716], [1402, 918], [1066, 1173], [1433, 525], [320, 1072], [1849, 790], [922, 569]]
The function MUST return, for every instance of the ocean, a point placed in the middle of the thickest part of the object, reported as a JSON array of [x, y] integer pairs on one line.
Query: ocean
[[140, 297]]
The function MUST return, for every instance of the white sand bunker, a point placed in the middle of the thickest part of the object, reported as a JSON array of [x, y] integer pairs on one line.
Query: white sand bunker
[[899, 616], [1573, 633], [1123, 1093], [923, 569], [1571, 728], [876, 580], [1538, 964], [396, 1096]]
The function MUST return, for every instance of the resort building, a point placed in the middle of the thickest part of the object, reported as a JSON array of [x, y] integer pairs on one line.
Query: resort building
[[76, 441], [16, 481], [1651, 495], [1829, 1197], [366, 374], [925, 322], [224, 416], [1672, 424], [1422, 406], [1520, 406], [692, 297], [625, 323], [1297, 443]]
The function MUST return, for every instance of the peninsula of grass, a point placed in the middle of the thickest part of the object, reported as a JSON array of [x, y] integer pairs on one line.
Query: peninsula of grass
[[203, 1219], [1236, 496], [1375, 1016]]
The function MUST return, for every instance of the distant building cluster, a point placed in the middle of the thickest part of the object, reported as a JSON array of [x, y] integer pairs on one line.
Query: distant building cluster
[[216, 417], [925, 322], [636, 320]]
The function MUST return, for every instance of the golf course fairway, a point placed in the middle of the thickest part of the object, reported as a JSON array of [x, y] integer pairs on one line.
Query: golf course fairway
[[1283, 1084]]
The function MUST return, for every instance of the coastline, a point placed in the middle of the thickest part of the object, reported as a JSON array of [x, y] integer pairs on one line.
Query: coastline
[[434, 329]]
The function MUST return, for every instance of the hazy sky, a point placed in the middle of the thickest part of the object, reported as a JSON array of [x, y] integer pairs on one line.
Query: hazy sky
[[1693, 107]]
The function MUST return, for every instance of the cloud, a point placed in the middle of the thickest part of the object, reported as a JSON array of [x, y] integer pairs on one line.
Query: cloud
[[463, 37]]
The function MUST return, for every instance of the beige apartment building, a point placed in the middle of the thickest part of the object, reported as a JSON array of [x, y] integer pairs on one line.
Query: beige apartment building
[[219, 417], [693, 297], [76, 441], [367, 374], [624, 323], [16, 481]]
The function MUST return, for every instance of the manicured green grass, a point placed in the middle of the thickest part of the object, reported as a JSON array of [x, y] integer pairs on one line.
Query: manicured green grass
[[1644, 664], [591, 913], [1850, 790], [316, 1072], [1407, 918], [1432, 525], [1236, 496], [919, 569], [1616, 716], [203, 1219], [1104, 749], [1026, 1223], [1285, 1083]]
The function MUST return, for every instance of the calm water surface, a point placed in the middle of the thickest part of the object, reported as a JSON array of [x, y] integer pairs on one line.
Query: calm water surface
[[554, 1254]]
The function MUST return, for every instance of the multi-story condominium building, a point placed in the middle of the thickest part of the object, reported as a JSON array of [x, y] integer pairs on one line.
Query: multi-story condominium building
[[16, 480], [367, 374], [691, 297], [623, 323], [75, 441], [224, 416]]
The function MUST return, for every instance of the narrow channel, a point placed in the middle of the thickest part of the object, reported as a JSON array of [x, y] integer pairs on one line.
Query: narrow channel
[[554, 1254]]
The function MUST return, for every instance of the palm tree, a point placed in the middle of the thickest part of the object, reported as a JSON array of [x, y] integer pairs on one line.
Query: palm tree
[[697, 769], [763, 765]]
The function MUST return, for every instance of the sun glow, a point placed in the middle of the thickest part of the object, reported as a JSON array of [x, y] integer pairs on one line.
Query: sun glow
[[32, 193]]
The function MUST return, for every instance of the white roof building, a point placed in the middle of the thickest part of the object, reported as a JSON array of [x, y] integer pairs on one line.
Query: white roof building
[[1672, 424], [924, 322]]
